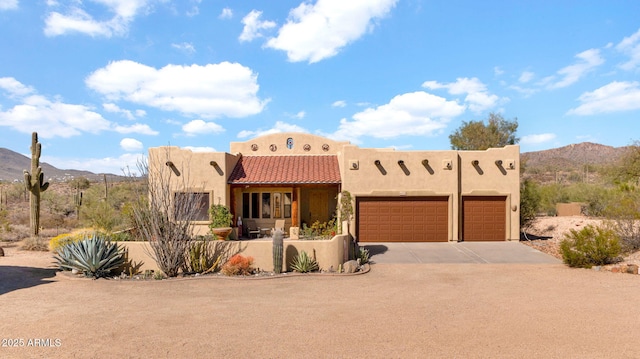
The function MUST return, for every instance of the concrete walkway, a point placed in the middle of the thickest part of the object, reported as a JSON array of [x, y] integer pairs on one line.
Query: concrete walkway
[[457, 252]]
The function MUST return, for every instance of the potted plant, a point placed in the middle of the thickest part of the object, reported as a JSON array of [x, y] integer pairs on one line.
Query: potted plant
[[220, 221]]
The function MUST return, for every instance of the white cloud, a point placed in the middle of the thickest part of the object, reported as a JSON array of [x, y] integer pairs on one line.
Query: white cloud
[[253, 26], [300, 115], [195, 9], [214, 90], [76, 19], [139, 128], [498, 71], [410, 114], [131, 144], [200, 127], [113, 108], [226, 13], [314, 32], [115, 165], [478, 98], [8, 4], [54, 118], [613, 97], [587, 61], [339, 103], [200, 149], [631, 46], [14, 87], [526, 76], [537, 139], [279, 127], [185, 47]]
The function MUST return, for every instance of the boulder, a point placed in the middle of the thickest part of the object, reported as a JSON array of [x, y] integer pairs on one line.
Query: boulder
[[350, 266]]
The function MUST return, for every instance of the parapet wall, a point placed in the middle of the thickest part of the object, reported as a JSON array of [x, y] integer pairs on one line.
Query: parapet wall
[[328, 253]]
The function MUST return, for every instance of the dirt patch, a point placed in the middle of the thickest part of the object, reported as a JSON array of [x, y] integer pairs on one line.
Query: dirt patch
[[546, 233], [396, 310]]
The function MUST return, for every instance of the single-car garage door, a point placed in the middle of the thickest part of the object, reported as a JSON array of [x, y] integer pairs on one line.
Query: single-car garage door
[[484, 218], [402, 219]]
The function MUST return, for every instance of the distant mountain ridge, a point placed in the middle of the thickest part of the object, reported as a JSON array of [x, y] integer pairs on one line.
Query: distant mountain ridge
[[574, 155], [12, 165]]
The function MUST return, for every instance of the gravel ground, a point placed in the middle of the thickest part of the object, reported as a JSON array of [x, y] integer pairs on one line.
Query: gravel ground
[[551, 231], [394, 311]]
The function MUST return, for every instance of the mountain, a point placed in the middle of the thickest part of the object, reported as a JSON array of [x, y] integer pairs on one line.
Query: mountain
[[574, 155], [12, 165]]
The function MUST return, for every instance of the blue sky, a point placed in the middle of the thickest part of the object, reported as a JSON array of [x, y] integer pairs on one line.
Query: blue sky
[[101, 81]]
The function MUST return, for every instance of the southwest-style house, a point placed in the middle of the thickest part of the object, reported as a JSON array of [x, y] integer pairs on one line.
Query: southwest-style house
[[399, 196]]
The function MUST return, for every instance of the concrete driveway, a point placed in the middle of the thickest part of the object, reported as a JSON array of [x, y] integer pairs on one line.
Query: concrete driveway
[[457, 252]]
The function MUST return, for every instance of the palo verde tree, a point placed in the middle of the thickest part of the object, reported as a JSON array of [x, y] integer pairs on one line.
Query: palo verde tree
[[476, 135], [35, 184]]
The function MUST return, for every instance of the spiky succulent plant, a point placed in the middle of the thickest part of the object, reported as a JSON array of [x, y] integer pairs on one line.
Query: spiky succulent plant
[[95, 256], [303, 263]]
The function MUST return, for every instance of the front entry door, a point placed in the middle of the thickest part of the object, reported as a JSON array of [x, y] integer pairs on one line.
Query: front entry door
[[318, 207]]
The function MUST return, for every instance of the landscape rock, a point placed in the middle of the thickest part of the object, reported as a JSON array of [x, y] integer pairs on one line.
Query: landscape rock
[[632, 268], [350, 266]]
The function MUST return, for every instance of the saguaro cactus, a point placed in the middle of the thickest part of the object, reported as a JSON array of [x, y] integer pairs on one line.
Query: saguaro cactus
[[77, 200], [35, 184], [277, 251]]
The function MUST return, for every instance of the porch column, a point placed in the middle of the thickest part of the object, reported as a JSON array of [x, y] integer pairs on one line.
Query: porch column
[[294, 208]]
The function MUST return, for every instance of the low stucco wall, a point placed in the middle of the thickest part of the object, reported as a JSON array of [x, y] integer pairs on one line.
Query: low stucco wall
[[328, 253]]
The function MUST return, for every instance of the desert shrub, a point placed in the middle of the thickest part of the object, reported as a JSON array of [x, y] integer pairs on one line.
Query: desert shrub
[[590, 246], [201, 258], [304, 263], [35, 244], [74, 236], [623, 217], [529, 203], [238, 265], [94, 256], [363, 255], [319, 230]]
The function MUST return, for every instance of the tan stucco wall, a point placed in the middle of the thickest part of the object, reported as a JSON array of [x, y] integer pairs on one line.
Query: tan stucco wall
[[263, 145], [487, 178], [447, 173], [328, 253]]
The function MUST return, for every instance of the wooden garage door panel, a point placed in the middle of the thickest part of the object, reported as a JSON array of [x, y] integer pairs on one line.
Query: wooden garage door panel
[[484, 218], [414, 219]]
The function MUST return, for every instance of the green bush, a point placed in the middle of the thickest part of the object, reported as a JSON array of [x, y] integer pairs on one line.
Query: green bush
[[590, 246]]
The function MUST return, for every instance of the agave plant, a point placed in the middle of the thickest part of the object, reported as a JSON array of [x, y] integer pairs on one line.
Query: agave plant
[[303, 263], [95, 256]]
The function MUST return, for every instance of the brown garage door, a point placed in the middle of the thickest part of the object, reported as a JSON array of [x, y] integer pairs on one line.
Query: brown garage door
[[484, 218], [405, 219]]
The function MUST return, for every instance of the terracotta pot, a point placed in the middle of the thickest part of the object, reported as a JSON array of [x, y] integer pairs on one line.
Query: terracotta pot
[[222, 233]]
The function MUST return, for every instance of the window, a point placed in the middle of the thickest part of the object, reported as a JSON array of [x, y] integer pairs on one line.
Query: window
[[266, 205], [193, 206], [255, 205], [246, 205]]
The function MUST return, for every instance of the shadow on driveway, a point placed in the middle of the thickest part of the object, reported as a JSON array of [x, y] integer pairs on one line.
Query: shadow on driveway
[[16, 277]]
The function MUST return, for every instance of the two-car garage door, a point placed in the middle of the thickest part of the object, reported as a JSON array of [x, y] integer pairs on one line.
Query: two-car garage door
[[426, 219], [402, 219]]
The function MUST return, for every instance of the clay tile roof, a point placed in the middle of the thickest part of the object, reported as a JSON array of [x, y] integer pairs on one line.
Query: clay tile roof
[[286, 170]]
